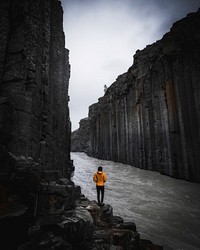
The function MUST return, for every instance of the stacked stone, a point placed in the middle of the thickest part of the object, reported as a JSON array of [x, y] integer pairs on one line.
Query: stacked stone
[[63, 218], [149, 117], [32, 199], [86, 227]]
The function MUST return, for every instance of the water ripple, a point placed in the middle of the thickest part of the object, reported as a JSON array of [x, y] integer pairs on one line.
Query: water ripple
[[165, 210]]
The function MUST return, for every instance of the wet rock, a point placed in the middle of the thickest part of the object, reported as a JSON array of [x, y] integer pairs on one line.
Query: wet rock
[[103, 236], [111, 232], [127, 239], [106, 216], [117, 222], [85, 227], [94, 210], [73, 229], [83, 213]]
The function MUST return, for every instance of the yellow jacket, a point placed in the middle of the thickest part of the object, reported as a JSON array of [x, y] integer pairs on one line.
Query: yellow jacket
[[99, 178]]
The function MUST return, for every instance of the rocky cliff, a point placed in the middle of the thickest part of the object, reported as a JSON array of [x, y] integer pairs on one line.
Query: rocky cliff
[[80, 138], [34, 117], [150, 116], [34, 75]]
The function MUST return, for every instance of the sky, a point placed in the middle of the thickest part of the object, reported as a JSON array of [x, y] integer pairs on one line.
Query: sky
[[103, 36]]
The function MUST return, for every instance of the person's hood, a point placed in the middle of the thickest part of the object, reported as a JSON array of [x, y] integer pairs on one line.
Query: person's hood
[[99, 172]]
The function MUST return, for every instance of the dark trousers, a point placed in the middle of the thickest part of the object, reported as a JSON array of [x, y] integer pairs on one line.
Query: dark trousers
[[100, 190]]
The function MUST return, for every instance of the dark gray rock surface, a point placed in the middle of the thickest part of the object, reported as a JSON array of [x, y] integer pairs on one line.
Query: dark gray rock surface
[[34, 78], [80, 138], [35, 130]]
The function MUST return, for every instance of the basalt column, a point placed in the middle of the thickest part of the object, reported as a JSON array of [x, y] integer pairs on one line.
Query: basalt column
[[34, 75], [150, 117]]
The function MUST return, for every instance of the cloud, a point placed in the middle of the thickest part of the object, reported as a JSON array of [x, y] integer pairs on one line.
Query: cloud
[[103, 36]]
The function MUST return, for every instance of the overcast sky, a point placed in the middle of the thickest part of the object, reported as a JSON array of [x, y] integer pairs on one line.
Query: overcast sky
[[102, 37]]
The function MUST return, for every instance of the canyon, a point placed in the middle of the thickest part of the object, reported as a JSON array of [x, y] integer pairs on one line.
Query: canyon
[[40, 206], [148, 118]]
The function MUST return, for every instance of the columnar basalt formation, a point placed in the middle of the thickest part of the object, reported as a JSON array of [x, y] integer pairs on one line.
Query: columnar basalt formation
[[34, 117], [150, 117], [34, 75]]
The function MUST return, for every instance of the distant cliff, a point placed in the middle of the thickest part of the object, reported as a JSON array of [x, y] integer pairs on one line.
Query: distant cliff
[[34, 78], [80, 138], [150, 116]]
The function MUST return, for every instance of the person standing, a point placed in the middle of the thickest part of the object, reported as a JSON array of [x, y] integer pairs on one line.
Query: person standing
[[100, 179]]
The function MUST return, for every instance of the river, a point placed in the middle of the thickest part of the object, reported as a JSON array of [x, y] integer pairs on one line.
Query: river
[[166, 210]]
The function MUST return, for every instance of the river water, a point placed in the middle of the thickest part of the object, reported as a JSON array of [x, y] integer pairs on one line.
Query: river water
[[166, 210]]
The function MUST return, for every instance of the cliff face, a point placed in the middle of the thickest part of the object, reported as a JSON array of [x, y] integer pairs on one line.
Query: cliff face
[[150, 117], [34, 119], [80, 138], [34, 75]]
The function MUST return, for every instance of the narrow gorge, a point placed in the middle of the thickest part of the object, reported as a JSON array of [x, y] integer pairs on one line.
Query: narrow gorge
[[150, 116], [40, 206]]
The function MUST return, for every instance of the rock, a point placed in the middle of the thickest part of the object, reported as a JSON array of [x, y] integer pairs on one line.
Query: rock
[[14, 221], [73, 230], [106, 216], [126, 238], [94, 210], [45, 241], [83, 213], [34, 79], [80, 138], [35, 128], [117, 222], [149, 116], [129, 225], [148, 245], [55, 198], [103, 236]]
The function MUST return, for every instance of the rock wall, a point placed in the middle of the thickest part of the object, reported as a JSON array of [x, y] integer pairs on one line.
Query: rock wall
[[150, 117], [80, 138], [34, 77], [35, 129]]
